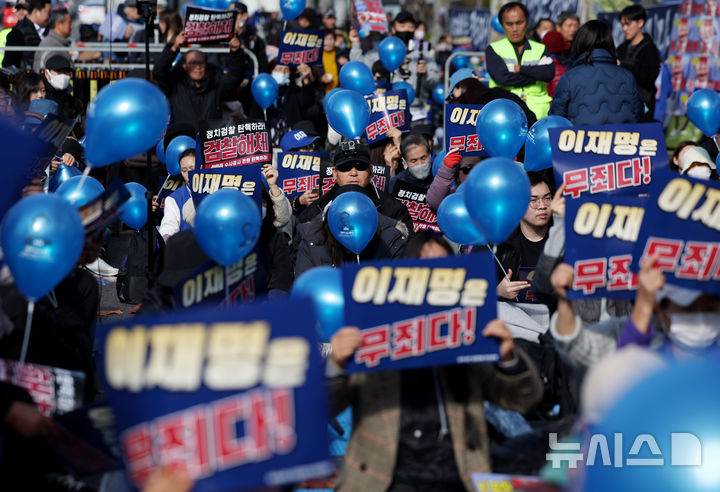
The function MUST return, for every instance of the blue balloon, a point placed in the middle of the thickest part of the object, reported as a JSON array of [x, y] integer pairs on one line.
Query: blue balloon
[[497, 194], [392, 52], [42, 238], [703, 110], [502, 127], [291, 8], [328, 95], [62, 174], [90, 189], [264, 89], [160, 150], [409, 90], [357, 76], [455, 222], [323, 285], [175, 148], [674, 410], [134, 211], [438, 162], [227, 225], [348, 113], [353, 220], [460, 61], [496, 24], [126, 118], [438, 94], [538, 154]]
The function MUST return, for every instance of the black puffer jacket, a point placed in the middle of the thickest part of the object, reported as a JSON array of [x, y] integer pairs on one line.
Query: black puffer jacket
[[23, 34], [191, 104]]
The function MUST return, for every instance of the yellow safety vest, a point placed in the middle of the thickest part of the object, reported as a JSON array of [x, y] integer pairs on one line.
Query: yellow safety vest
[[535, 95], [3, 41]]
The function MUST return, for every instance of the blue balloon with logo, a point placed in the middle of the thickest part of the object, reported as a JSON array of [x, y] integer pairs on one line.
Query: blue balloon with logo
[[538, 152], [175, 148], [291, 8], [357, 76], [125, 119], [496, 24], [502, 127], [438, 94], [227, 225], [392, 52], [353, 220], [62, 174], [264, 89], [348, 113], [438, 162], [42, 237], [80, 190], [703, 110], [160, 151], [323, 286], [455, 221], [134, 210], [409, 90], [497, 194]]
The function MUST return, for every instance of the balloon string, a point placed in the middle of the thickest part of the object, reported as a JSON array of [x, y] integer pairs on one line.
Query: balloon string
[[357, 257], [227, 289], [85, 174], [28, 324], [53, 298], [493, 250], [165, 182], [265, 114]]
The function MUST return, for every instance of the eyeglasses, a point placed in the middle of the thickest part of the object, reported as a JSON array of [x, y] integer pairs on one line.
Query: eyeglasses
[[535, 202], [196, 63], [345, 167]]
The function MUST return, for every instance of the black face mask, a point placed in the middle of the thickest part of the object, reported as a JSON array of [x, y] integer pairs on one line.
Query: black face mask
[[405, 36]]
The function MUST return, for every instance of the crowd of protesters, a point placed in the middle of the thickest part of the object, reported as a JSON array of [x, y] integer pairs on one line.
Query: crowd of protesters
[[425, 429]]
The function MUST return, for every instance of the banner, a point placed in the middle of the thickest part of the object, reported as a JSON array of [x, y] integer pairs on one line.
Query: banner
[[243, 178], [98, 213], [470, 28], [234, 398], [54, 390], [461, 129], [617, 159], [413, 197], [206, 285], [238, 142], [658, 25], [387, 110], [168, 186], [380, 177], [681, 228], [421, 313], [550, 9], [368, 16], [301, 47], [299, 172], [208, 25], [600, 236]]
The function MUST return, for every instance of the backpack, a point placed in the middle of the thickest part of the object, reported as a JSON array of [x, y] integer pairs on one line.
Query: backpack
[[132, 281]]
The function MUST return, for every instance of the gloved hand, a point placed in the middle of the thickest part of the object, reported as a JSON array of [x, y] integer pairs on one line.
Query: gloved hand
[[452, 158]]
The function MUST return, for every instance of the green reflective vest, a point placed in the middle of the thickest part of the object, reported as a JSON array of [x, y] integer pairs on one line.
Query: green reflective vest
[[535, 95], [3, 41]]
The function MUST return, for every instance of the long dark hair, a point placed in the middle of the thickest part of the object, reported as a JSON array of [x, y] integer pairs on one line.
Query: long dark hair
[[592, 35]]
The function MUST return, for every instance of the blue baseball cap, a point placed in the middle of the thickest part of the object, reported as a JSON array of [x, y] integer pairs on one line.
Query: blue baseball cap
[[459, 76], [294, 139], [38, 110]]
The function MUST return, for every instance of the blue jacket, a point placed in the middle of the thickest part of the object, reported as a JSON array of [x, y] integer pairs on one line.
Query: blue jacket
[[599, 93]]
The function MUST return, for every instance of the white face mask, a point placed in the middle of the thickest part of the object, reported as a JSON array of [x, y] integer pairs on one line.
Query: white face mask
[[60, 81], [694, 330], [281, 78], [419, 34], [264, 211], [699, 172], [421, 171]]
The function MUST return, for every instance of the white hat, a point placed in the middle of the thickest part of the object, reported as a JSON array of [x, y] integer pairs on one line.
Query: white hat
[[678, 295], [692, 155]]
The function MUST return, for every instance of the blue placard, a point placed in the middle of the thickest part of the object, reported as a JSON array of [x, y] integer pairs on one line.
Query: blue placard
[[470, 28], [461, 131], [682, 228], [659, 25], [617, 159], [600, 236], [244, 178], [420, 313], [300, 47], [234, 398], [98, 213], [299, 172], [389, 109], [168, 186]]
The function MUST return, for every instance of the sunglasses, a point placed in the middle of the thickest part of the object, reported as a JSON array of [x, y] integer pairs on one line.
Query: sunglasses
[[345, 167], [466, 169]]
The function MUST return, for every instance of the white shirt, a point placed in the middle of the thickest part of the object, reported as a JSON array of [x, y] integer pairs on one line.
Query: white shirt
[[171, 218], [40, 30]]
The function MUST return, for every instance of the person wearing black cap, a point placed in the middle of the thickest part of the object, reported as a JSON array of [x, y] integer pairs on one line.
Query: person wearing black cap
[[58, 72], [329, 20], [353, 167], [28, 32], [248, 36]]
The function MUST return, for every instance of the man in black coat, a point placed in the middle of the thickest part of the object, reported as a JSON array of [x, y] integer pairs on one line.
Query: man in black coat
[[639, 54], [194, 88], [28, 32]]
